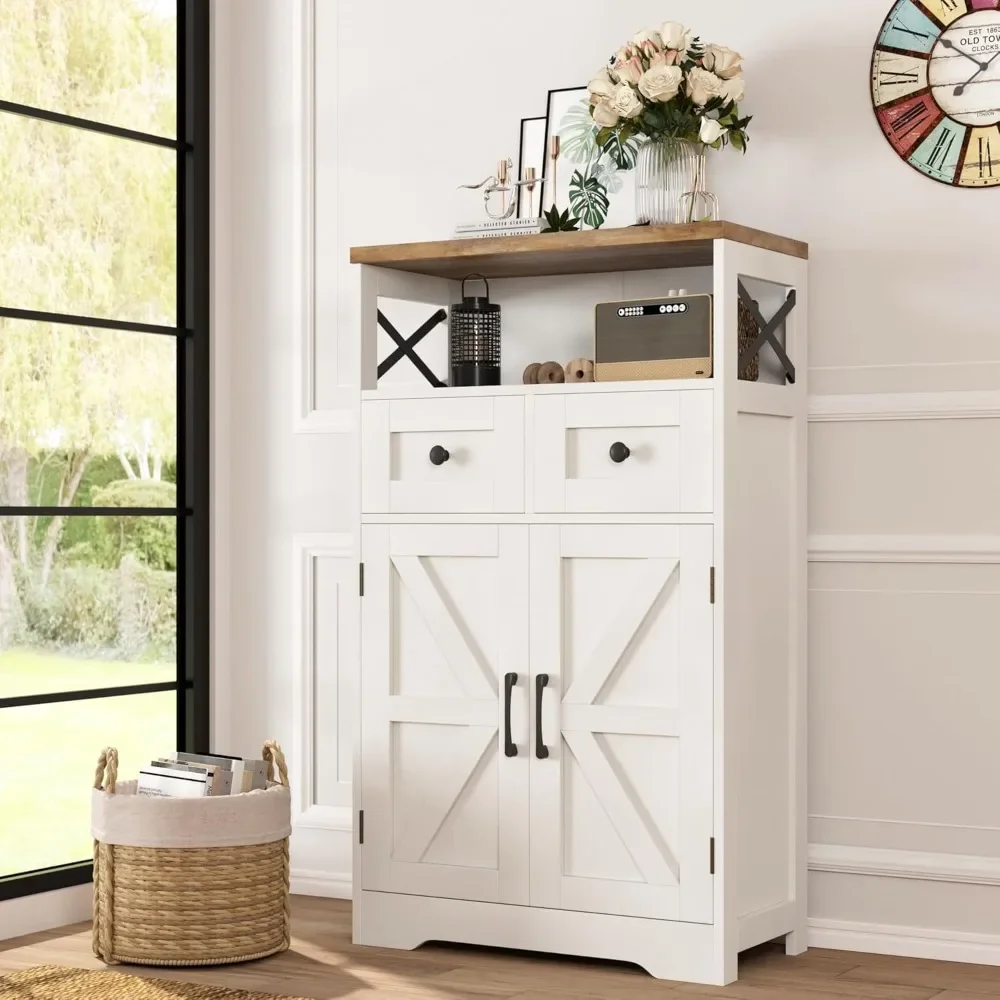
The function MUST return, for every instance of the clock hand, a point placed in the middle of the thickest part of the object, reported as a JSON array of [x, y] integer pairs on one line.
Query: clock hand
[[948, 44], [960, 89]]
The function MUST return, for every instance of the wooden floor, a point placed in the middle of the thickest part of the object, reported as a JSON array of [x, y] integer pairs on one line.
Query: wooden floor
[[323, 964]]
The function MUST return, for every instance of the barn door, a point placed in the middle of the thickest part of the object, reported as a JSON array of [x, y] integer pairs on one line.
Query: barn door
[[445, 795], [621, 759]]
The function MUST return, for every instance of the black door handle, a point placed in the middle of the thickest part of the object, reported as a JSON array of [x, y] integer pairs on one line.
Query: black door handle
[[439, 455], [509, 746], [541, 683], [619, 452]]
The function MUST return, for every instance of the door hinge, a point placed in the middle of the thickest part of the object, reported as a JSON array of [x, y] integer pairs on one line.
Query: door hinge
[[361, 826], [361, 579], [711, 585], [711, 855]]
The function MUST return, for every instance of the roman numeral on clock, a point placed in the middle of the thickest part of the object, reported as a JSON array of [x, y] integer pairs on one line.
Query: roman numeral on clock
[[896, 78], [985, 159], [910, 31], [939, 154], [949, 4], [911, 119]]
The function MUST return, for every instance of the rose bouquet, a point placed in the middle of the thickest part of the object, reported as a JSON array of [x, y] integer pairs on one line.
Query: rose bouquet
[[667, 85]]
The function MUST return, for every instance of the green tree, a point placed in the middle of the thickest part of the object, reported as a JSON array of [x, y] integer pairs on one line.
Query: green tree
[[87, 226]]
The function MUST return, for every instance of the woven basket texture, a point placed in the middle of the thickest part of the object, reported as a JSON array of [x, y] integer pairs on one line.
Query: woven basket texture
[[192, 906]]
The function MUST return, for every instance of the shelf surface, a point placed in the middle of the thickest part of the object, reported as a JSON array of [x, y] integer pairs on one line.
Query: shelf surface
[[636, 248]]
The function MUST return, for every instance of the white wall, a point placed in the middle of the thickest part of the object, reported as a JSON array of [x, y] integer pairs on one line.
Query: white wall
[[407, 101]]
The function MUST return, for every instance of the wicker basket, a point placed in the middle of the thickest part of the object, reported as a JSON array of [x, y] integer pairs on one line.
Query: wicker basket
[[198, 905]]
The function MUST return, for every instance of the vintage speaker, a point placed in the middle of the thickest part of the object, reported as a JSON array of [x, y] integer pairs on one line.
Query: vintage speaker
[[668, 337]]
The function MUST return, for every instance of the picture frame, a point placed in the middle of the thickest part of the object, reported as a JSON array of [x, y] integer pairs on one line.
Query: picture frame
[[531, 153], [567, 115]]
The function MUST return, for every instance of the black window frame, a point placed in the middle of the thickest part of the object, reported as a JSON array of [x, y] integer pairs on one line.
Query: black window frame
[[192, 514]]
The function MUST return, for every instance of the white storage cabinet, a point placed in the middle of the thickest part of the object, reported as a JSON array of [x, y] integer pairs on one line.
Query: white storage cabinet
[[581, 706]]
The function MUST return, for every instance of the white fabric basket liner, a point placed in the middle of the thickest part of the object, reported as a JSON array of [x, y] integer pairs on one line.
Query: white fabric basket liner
[[243, 820]]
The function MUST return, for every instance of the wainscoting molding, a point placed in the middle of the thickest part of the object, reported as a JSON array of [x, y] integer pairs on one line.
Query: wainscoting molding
[[304, 882], [961, 550], [913, 942], [963, 405], [851, 860], [307, 549], [307, 418]]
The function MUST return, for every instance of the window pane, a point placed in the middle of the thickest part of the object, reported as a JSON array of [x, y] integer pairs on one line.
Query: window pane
[[86, 602], [87, 417], [112, 61], [87, 223], [45, 786]]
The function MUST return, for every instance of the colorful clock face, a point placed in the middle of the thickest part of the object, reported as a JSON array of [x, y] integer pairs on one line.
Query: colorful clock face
[[936, 88]]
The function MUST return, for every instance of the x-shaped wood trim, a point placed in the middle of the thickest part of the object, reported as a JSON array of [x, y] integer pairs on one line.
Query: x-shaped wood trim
[[470, 671], [405, 347], [768, 329]]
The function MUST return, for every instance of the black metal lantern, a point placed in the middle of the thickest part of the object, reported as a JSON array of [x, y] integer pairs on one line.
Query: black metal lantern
[[474, 339]]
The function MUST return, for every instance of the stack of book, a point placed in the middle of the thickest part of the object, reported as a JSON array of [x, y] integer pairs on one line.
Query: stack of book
[[192, 775], [498, 227]]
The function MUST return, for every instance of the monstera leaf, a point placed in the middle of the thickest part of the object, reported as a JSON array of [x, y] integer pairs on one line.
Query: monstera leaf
[[623, 153], [576, 134], [588, 198], [609, 175]]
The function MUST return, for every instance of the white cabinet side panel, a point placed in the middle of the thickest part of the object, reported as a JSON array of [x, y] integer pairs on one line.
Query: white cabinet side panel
[[762, 658]]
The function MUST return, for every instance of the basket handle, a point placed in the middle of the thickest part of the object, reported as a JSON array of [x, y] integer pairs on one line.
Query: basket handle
[[482, 278], [107, 765], [274, 756]]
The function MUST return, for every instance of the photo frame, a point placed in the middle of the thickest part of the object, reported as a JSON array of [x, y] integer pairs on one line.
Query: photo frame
[[531, 154], [567, 115]]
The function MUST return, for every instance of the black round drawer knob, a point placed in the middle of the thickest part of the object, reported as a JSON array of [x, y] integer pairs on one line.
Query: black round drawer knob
[[439, 455], [619, 452]]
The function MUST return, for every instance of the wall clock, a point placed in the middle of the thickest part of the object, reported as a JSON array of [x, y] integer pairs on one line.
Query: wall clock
[[936, 88]]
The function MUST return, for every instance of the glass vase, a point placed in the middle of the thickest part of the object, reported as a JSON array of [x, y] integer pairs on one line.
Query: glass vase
[[670, 183]]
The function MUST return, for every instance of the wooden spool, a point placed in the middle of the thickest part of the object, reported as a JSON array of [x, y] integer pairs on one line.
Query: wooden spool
[[580, 370], [551, 372], [530, 376]]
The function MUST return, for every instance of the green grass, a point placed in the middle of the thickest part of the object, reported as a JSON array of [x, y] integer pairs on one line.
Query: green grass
[[52, 750]]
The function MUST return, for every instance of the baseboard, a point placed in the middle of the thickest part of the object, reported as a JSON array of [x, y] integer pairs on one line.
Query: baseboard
[[45, 911], [336, 885], [911, 942]]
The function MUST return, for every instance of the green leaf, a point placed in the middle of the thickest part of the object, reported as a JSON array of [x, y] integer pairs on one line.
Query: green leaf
[[589, 199], [738, 140], [623, 151]]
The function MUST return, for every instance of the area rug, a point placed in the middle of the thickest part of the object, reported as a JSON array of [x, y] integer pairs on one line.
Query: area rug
[[50, 982]]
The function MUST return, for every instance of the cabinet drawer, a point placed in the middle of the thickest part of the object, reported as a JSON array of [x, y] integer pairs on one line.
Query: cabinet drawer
[[440, 456], [664, 467]]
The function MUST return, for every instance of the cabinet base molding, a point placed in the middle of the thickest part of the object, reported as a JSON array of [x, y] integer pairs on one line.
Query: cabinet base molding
[[665, 949]]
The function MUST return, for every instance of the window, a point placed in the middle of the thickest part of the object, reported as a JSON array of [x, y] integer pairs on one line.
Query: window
[[104, 368]]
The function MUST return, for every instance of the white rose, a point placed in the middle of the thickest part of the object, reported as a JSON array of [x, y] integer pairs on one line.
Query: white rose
[[722, 61], [675, 36], [601, 86], [625, 103], [643, 38], [661, 83], [733, 90], [702, 86], [603, 114], [711, 131]]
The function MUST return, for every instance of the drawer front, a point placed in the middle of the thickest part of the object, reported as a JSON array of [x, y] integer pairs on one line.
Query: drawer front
[[667, 467], [442, 456]]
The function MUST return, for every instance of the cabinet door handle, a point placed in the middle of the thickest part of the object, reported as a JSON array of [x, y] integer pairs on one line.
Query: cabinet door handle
[[619, 452], [509, 746], [439, 455], [541, 683]]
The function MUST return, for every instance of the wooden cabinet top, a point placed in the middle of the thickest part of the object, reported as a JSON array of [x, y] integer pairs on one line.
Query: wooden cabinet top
[[636, 248]]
